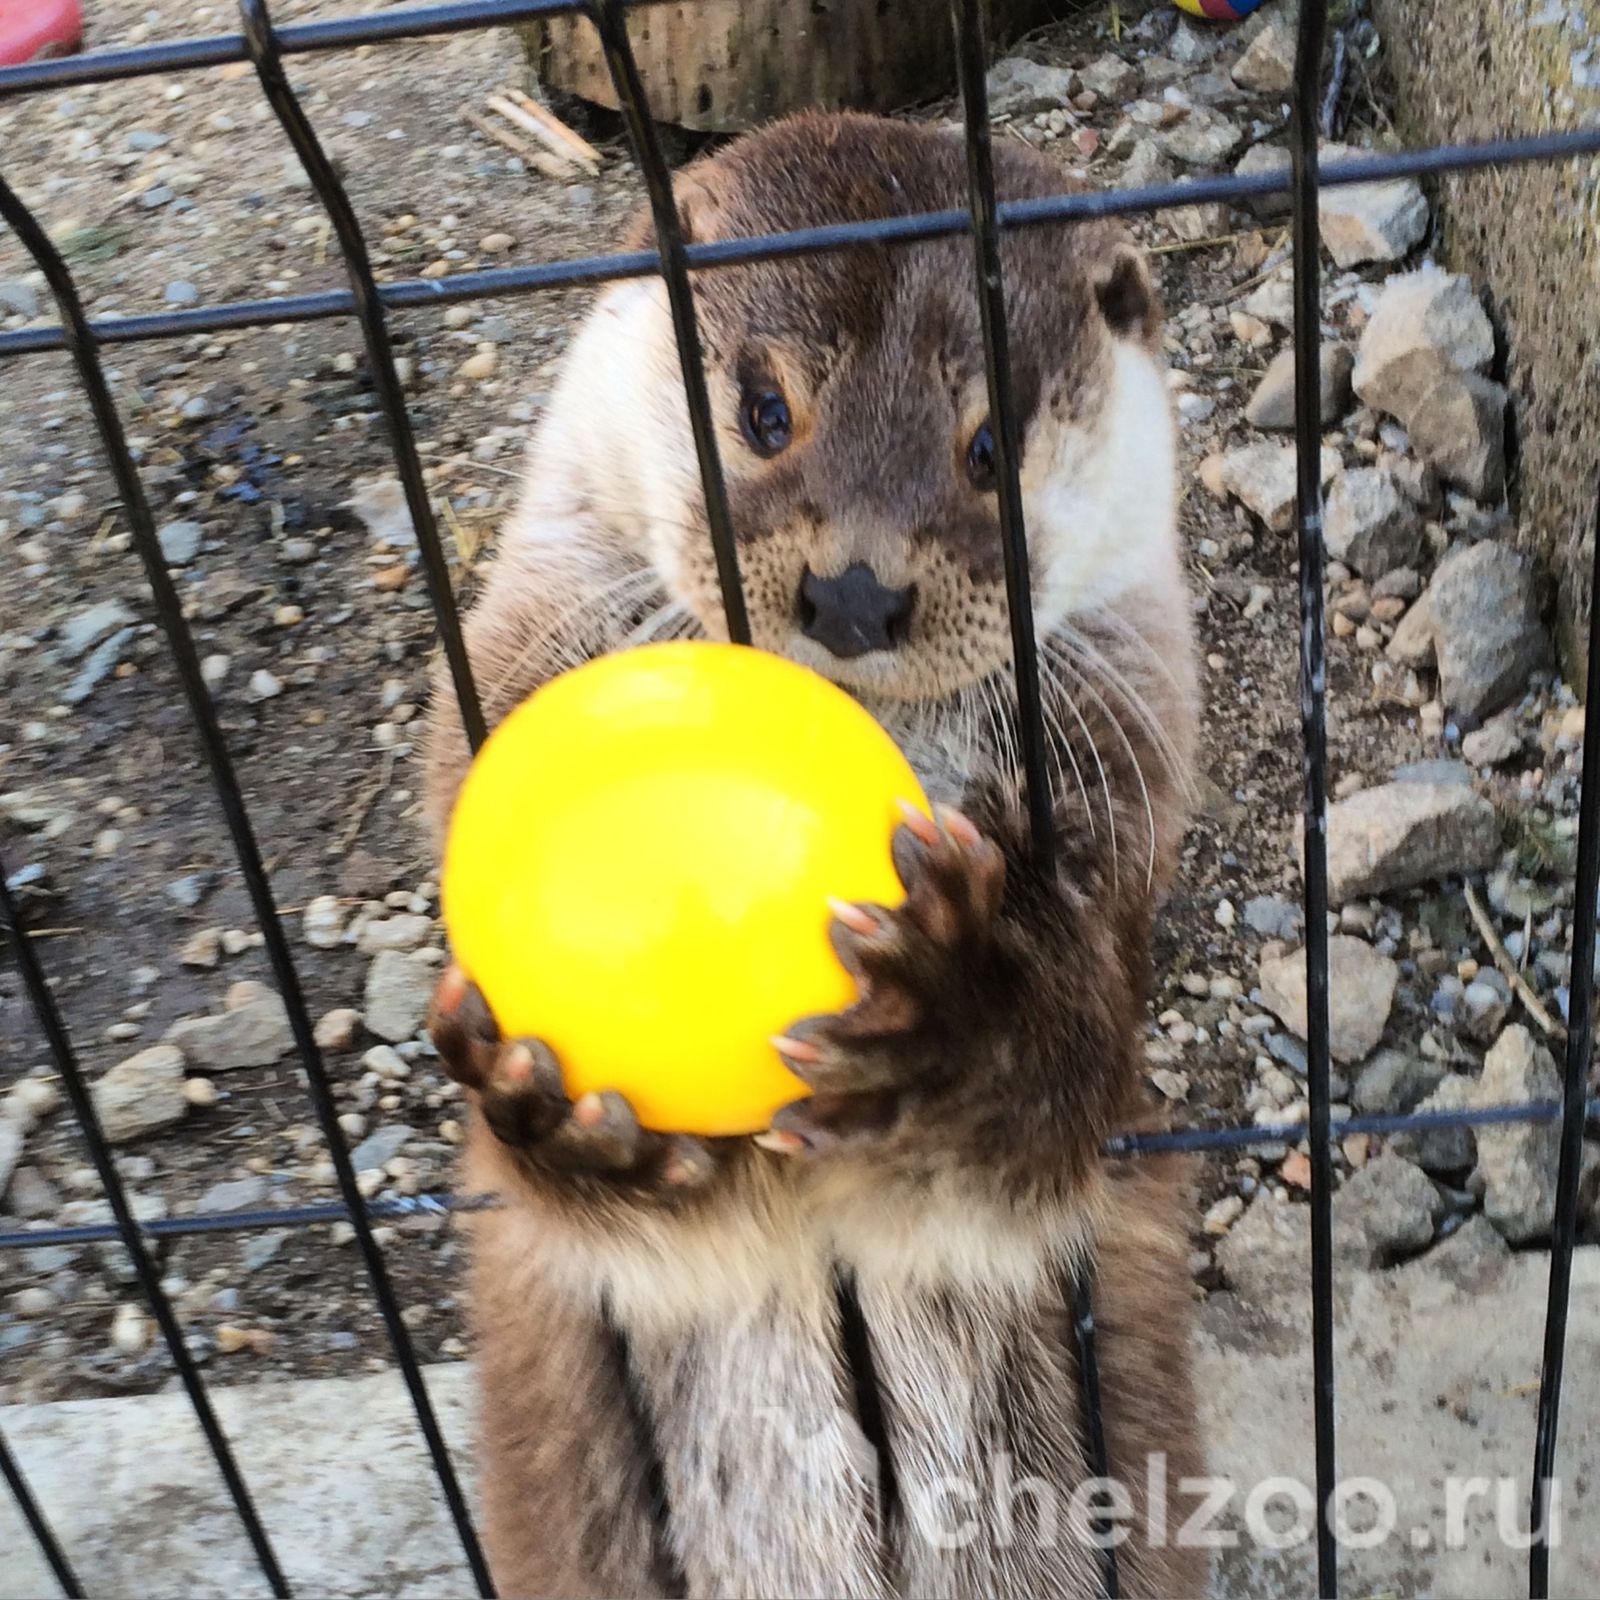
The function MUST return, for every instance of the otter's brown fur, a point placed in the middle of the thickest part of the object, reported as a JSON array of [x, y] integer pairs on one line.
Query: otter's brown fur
[[951, 1164]]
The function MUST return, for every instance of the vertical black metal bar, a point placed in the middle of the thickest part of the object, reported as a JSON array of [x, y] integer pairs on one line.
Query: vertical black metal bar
[[967, 18], [35, 1519], [1082, 1301], [1580, 1036], [149, 1277], [1308, 449], [136, 508], [262, 44], [611, 21]]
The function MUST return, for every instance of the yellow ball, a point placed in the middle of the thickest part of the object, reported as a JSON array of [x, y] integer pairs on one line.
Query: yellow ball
[[639, 864]]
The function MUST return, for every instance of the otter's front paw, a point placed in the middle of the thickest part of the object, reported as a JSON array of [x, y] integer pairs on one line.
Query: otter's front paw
[[920, 969], [517, 1085]]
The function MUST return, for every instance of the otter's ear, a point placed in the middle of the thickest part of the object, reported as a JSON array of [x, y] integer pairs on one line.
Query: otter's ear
[[1127, 295], [695, 208]]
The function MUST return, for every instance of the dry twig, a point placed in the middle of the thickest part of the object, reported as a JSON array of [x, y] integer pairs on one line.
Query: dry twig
[[1508, 968]]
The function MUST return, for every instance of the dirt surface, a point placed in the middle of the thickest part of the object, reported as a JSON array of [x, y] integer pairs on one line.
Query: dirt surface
[[262, 437]]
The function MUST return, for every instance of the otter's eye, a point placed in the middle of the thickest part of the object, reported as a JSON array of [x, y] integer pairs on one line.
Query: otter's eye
[[766, 423], [980, 459]]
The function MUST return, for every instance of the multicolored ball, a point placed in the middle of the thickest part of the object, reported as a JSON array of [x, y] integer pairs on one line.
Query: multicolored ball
[[1220, 10]]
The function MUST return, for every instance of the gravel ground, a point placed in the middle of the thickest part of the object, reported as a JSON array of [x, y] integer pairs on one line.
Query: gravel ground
[[307, 606]]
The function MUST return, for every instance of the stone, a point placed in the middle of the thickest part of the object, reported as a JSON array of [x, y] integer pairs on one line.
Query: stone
[[1395, 1081], [1372, 525], [1361, 991], [141, 1095], [1517, 1161], [1266, 1254], [1484, 606], [201, 1092], [1188, 46], [11, 1140], [254, 1034], [1497, 741], [180, 292], [1018, 87], [1386, 1210], [18, 298], [337, 1029], [86, 628], [1204, 138], [97, 667], [1428, 311], [1484, 1005], [1146, 167], [1264, 160], [1272, 404], [399, 986], [380, 503], [322, 922], [1412, 644], [30, 1194], [1398, 835], [1420, 360], [1267, 66], [1363, 222], [380, 1147], [1444, 1150], [480, 365], [394, 933], [237, 1194], [1262, 478], [1273, 918], [180, 542], [1110, 77], [203, 948]]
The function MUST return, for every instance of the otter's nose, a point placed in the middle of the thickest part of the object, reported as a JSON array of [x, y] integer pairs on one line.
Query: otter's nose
[[855, 612]]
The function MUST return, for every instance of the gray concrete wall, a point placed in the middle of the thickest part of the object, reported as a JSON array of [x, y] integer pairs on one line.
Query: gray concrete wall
[[1477, 69]]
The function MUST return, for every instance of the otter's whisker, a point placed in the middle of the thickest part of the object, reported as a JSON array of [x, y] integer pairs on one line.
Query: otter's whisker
[[1094, 750]]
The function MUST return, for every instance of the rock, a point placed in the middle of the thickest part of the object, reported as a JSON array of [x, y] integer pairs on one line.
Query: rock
[[338, 1029], [1188, 46], [1273, 301], [203, 948], [1412, 644], [480, 365], [380, 503], [1447, 1150], [1387, 1209], [263, 685], [1364, 222], [1266, 1254], [1205, 138], [1018, 86], [180, 542], [130, 1329], [1146, 167], [97, 667], [387, 1063], [1484, 1004], [180, 292], [1420, 361], [18, 299], [1397, 835], [1394, 1081], [238, 1194], [254, 1034], [1361, 990], [142, 1094], [1372, 526], [380, 1147], [1222, 1215], [11, 1138], [1261, 160], [88, 627], [322, 921], [1428, 311], [1273, 918], [200, 1092], [1484, 605], [1517, 1161], [1272, 405], [1267, 66], [1496, 741], [1110, 77], [30, 1194], [1470, 1255], [1262, 477], [399, 986], [394, 933]]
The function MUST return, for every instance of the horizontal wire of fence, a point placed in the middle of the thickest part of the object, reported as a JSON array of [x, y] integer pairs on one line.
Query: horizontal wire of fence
[[985, 220]]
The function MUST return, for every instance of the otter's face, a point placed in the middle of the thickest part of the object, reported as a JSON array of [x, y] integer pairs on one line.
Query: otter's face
[[853, 423]]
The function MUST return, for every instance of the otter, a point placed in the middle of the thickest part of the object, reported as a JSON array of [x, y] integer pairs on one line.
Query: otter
[[676, 1395]]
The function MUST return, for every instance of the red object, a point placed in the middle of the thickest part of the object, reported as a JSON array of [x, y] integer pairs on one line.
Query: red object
[[31, 30]]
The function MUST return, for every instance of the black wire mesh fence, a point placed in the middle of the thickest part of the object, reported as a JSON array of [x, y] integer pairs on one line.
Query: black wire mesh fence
[[266, 47]]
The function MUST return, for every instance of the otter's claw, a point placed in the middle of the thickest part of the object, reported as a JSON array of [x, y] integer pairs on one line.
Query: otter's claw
[[917, 968], [518, 1087]]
